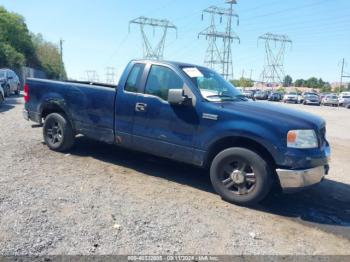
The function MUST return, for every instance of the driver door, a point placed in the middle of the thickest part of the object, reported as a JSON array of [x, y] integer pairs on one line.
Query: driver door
[[160, 128]]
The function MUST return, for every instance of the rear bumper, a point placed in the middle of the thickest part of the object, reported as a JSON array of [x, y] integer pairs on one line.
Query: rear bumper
[[31, 116], [312, 102], [295, 180], [25, 115]]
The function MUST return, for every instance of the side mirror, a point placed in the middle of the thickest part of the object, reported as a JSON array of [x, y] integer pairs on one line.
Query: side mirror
[[10, 78], [176, 97]]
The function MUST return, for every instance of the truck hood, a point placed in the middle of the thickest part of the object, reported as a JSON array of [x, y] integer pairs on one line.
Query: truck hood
[[274, 115]]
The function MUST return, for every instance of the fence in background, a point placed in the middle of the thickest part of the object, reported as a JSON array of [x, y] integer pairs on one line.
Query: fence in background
[[28, 72]]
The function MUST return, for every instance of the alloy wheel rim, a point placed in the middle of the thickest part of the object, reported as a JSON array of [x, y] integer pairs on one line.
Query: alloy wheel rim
[[238, 177], [54, 133]]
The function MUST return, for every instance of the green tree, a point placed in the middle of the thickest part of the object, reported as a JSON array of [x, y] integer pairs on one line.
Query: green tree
[[312, 82], [243, 82], [299, 83], [16, 47], [326, 88], [49, 57], [287, 81]]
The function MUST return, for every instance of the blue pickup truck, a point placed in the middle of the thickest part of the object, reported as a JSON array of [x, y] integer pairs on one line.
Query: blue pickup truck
[[190, 114]]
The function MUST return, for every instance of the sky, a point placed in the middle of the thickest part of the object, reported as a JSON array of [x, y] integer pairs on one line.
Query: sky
[[96, 33]]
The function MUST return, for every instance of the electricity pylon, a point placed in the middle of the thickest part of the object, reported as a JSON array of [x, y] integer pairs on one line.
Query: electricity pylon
[[219, 57], [275, 49], [92, 76], [110, 75], [155, 52]]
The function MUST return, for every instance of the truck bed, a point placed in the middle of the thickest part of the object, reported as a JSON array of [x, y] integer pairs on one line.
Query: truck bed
[[89, 105]]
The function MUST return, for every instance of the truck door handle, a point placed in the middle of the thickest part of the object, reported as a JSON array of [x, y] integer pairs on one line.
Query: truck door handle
[[140, 107]]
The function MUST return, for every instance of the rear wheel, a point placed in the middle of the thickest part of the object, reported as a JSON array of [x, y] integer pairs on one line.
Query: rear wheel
[[58, 132], [241, 176]]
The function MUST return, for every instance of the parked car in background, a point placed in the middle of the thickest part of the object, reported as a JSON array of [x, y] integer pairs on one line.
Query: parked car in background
[[2, 95], [344, 97], [291, 97], [275, 97], [347, 105], [311, 99], [9, 82], [248, 94], [330, 100], [261, 95], [323, 95], [301, 98]]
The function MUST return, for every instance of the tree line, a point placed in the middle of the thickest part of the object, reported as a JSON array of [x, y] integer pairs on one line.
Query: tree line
[[312, 82], [19, 47]]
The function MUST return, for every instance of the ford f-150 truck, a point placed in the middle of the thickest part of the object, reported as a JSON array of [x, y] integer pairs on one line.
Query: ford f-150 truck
[[190, 114]]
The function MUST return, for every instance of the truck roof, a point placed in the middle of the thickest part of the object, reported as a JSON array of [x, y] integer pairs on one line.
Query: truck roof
[[173, 63]]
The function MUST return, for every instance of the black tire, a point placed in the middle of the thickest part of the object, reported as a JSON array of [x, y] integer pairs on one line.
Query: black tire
[[243, 162], [7, 91], [2, 99], [58, 132], [17, 90]]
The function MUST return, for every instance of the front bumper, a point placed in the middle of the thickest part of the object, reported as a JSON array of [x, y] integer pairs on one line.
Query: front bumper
[[295, 180]]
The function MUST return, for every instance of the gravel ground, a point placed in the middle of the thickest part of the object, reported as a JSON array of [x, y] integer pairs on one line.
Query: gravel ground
[[103, 200]]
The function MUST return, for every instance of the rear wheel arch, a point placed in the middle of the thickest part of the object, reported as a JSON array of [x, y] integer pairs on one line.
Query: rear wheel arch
[[49, 108]]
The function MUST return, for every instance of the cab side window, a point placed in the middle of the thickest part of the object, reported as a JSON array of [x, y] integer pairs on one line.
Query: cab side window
[[160, 80], [134, 78]]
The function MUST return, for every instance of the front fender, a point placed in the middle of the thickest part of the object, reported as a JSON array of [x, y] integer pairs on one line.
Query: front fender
[[267, 136]]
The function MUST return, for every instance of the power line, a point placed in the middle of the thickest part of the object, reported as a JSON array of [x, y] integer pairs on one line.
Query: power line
[[220, 57], [275, 47], [155, 52]]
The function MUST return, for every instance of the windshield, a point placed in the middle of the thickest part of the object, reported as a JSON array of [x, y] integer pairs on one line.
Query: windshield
[[2, 74], [212, 86], [292, 94]]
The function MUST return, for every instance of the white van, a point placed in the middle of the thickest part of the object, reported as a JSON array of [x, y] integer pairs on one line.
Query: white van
[[344, 97]]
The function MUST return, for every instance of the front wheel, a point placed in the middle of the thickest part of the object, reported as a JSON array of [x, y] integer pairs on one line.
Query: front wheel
[[18, 90], [58, 132], [241, 176], [2, 99], [7, 91]]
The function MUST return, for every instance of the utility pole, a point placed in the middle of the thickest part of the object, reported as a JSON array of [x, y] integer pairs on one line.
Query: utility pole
[[153, 52], [343, 73], [61, 57], [216, 58], [275, 48]]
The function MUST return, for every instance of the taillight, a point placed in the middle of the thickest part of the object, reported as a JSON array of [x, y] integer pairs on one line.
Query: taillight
[[26, 93]]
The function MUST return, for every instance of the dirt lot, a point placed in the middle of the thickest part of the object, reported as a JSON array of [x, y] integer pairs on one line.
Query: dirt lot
[[103, 200]]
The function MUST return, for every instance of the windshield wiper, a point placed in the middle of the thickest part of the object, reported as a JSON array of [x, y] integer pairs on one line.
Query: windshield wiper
[[221, 96], [229, 98]]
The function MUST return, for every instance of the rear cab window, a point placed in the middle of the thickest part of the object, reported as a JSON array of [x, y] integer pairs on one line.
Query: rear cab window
[[133, 82]]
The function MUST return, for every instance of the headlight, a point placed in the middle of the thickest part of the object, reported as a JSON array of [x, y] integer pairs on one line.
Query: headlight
[[302, 139]]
